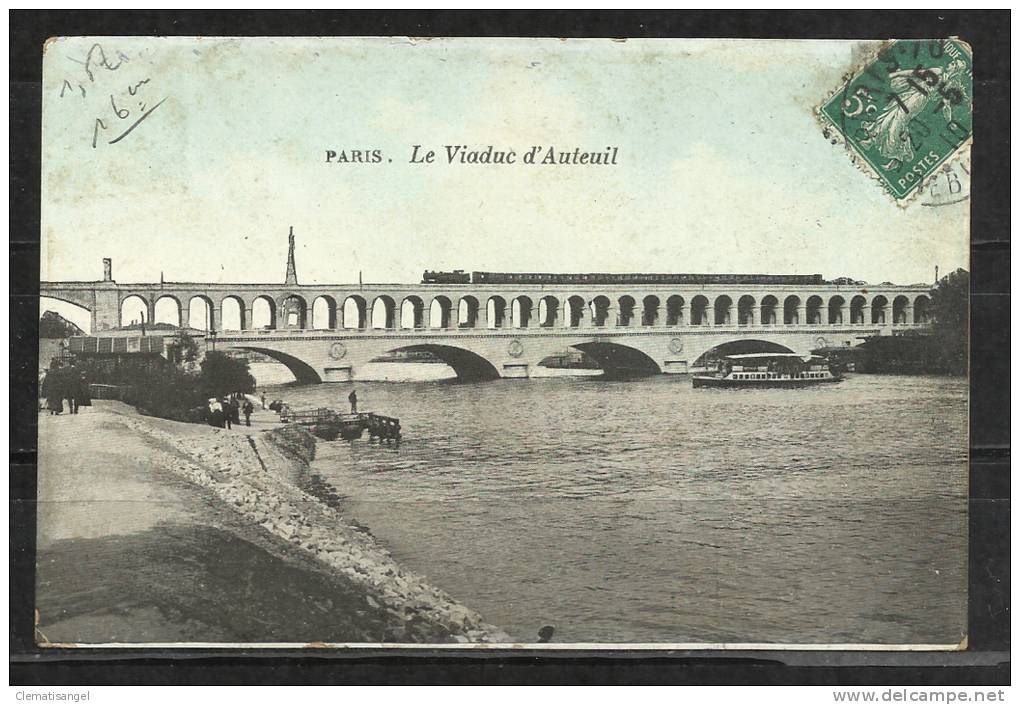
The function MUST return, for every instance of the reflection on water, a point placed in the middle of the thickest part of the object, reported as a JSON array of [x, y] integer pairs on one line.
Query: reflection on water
[[647, 511]]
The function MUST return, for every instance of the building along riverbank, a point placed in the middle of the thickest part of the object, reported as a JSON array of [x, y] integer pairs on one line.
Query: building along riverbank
[[154, 531]]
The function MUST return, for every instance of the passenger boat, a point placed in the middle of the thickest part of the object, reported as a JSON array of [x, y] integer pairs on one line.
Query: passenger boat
[[769, 370]]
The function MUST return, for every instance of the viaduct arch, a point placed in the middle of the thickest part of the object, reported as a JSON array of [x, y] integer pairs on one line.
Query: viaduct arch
[[326, 332]]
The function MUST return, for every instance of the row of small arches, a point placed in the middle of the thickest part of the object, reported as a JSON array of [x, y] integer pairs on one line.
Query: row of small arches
[[356, 312]]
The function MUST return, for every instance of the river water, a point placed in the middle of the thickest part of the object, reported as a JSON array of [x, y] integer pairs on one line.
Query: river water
[[647, 511]]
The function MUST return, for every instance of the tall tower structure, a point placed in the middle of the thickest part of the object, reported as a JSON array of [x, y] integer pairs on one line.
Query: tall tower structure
[[291, 269]]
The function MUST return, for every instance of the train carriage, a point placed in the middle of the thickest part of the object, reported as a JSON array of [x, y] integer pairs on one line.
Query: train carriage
[[459, 276]]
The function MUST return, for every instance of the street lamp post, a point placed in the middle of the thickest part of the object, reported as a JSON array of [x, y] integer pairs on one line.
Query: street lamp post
[[209, 327]]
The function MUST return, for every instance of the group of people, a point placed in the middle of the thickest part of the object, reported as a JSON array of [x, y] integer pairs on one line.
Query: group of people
[[64, 382], [225, 412]]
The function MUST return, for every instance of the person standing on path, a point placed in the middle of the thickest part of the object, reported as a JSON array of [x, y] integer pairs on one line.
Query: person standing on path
[[215, 413], [52, 391], [263, 401], [248, 408], [84, 396], [353, 399], [70, 380]]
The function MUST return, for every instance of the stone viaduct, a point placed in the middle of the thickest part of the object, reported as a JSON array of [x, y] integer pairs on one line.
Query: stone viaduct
[[327, 332]]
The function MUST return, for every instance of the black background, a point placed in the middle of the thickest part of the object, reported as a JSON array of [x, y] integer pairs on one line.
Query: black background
[[986, 659]]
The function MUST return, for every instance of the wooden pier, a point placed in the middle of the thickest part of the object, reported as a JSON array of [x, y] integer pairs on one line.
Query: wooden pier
[[385, 428], [330, 424]]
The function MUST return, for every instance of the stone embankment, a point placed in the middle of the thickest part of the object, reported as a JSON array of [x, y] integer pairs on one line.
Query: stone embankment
[[258, 477]]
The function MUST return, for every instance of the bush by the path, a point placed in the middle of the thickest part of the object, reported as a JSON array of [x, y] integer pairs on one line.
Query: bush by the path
[[164, 390]]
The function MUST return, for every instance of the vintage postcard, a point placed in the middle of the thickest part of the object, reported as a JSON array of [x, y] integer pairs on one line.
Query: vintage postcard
[[403, 342]]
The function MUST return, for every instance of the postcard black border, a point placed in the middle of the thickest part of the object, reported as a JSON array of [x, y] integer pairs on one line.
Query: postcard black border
[[986, 661]]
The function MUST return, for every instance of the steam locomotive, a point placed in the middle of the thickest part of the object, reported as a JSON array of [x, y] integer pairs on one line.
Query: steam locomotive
[[459, 276]]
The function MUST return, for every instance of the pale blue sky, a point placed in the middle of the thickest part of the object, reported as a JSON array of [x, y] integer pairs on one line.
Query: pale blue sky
[[722, 166]]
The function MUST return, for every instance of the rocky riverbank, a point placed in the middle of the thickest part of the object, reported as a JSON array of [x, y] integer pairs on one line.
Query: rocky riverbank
[[252, 487]]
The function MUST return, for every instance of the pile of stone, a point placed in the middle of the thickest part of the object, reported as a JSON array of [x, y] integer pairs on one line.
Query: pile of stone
[[254, 476]]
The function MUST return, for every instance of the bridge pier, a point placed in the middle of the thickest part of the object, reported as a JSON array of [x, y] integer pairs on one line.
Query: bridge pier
[[105, 307]]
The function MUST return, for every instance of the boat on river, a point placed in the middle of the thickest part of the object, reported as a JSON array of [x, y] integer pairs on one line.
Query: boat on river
[[770, 371]]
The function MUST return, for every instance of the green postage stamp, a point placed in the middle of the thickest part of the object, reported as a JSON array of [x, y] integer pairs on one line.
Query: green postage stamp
[[906, 112]]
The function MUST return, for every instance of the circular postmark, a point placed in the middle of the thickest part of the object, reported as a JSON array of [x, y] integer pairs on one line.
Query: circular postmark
[[515, 348], [949, 185], [676, 346], [337, 351], [821, 342]]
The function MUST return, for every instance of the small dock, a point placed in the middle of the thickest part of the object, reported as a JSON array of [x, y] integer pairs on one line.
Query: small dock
[[385, 428], [330, 424]]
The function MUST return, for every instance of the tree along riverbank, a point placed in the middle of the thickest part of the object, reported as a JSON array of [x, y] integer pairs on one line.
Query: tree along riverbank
[[157, 531], [905, 354], [943, 350]]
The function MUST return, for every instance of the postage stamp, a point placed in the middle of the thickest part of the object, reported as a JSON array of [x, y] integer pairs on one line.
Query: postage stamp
[[906, 112]]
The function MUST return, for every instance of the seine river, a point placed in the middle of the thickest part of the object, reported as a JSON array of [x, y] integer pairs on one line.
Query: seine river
[[648, 511]]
